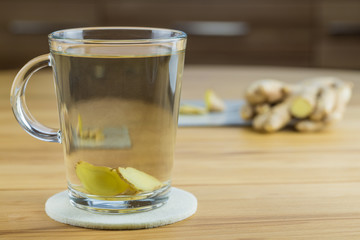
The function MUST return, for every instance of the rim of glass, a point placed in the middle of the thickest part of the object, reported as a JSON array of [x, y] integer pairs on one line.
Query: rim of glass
[[179, 35]]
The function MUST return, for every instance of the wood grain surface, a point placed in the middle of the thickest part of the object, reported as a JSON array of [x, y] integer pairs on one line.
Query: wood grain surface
[[285, 185]]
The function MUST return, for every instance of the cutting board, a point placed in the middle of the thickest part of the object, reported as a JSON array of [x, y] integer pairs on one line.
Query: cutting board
[[229, 117]]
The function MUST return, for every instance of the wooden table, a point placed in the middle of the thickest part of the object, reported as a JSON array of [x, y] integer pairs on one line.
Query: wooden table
[[285, 185]]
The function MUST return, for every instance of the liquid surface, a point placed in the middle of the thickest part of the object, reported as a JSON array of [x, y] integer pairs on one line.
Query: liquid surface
[[118, 112]]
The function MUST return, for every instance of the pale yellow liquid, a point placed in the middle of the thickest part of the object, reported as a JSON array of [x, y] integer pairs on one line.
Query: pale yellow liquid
[[132, 100]]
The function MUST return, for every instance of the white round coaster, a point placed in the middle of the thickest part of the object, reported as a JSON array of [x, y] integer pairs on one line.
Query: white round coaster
[[181, 205]]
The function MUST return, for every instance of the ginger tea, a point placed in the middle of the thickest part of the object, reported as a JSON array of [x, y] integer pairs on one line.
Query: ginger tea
[[118, 92], [118, 118]]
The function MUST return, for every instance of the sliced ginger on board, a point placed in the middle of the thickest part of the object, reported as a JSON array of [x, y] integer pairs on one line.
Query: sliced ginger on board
[[213, 102], [192, 110]]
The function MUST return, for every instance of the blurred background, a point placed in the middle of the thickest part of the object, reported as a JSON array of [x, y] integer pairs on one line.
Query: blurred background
[[307, 33]]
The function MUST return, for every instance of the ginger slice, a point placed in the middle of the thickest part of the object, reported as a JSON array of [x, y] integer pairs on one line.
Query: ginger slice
[[301, 107], [213, 102], [314, 98], [139, 180], [192, 110], [100, 180], [303, 104]]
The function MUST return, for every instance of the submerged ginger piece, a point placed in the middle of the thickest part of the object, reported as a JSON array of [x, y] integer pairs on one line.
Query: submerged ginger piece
[[99, 180], [105, 181], [311, 105], [139, 180]]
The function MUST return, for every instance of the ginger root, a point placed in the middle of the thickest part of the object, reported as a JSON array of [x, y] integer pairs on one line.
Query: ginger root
[[311, 105], [266, 91]]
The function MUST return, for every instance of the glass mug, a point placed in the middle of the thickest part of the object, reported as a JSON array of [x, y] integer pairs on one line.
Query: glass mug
[[118, 93]]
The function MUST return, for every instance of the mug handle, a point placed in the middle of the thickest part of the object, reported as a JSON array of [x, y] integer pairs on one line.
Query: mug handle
[[19, 107]]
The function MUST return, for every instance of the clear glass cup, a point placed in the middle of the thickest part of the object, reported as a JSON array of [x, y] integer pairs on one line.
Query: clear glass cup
[[118, 93]]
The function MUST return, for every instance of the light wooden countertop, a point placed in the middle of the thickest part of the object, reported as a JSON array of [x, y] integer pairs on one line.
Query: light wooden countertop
[[285, 185]]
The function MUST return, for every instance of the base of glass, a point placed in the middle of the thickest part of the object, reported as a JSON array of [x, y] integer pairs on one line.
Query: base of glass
[[120, 204]]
